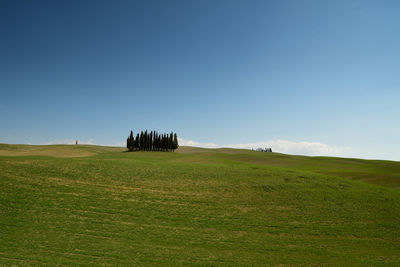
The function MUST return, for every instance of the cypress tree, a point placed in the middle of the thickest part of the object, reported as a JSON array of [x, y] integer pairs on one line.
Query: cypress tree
[[156, 141], [159, 142], [141, 141], [175, 141], [170, 142], [146, 140], [163, 142], [131, 139], [129, 142], [137, 141], [151, 140], [166, 142]]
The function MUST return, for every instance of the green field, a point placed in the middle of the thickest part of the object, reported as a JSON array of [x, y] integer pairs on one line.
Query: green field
[[92, 205]]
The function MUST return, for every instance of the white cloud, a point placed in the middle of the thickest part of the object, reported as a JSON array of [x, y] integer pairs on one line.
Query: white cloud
[[121, 144], [282, 146], [183, 142]]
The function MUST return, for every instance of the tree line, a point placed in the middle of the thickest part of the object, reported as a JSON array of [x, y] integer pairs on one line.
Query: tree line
[[152, 141]]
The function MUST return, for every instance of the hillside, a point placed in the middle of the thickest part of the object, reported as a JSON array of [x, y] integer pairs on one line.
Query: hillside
[[69, 205]]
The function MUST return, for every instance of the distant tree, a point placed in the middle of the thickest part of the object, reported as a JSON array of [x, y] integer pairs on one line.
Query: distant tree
[[170, 142], [151, 140], [141, 141], [176, 145], [137, 142], [147, 139], [130, 142], [164, 142], [157, 141]]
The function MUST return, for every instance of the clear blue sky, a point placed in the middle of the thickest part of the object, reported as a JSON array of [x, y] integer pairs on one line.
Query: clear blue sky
[[223, 72]]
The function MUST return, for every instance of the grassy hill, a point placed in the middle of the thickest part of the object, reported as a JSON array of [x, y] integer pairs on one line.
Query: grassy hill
[[92, 205]]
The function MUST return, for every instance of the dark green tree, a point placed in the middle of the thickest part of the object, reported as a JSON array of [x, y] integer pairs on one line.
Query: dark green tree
[[176, 145], [130, 141], [170, 142], [137, 142]]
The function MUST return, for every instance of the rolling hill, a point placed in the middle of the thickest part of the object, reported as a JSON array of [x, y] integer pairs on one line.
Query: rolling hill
[[94, 205]]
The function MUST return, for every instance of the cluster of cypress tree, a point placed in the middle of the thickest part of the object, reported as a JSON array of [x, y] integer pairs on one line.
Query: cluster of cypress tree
[[152, 141]]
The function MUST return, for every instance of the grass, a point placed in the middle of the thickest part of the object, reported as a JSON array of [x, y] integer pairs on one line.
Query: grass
[[91, 205]]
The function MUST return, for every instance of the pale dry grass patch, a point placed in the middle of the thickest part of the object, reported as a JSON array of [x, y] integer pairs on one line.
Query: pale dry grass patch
[[60, 152]]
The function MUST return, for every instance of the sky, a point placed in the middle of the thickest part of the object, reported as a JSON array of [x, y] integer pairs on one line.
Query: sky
[[302, 77]]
